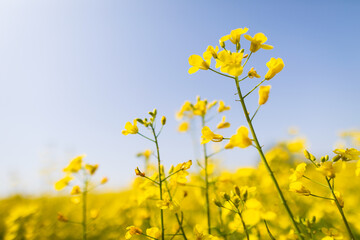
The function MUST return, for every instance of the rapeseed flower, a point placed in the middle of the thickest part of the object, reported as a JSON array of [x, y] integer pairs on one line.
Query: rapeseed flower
[[183, 127], [132, 230], [222, 107], [275, 66], [257, 42], [223, 123], [130, 128], [347, 154], [208, 135], [74, 165], [197, 62], [230, 63], [62, 183], [240, 139], [299, 188], [298, 173], [329, 169], [252, 73], [235, 35], [264, 94]]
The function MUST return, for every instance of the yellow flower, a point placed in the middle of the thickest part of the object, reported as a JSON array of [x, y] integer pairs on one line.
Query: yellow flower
[[223, 40], [347, 154], [230, 62], [223, 124], [62, 218], [298, 187], [153, 232], [339, 198], [94, 213], [183, 166], [186, 107], [331, 234], [75, 164], [208, 135], [240, 139], [197, 62], [264, 94], [222, 107], [62, 183], [257, 42], [211, 52], [329, 169], [130, 128], [298, 173], [92, 168], [75, 190], [104, 180], [183, 127], [235, 35], [132, 231], [275, 66], [252, 73], [139, 173], [166, 203]]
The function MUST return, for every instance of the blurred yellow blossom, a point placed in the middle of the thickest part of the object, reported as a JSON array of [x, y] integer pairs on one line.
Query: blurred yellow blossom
[[75, 190], [153, 232], [75, 164], [223, 123], [92, 168], [183, 127], [252, 73], [298, 173], [298, 187], [348, 154], [329, 169], [222, 107], [59, 185], [132, 230]]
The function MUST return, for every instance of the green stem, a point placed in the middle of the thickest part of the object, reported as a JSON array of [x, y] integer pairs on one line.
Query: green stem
[[221, 73], [206, 182], [313, 195], [247, 59], [160, 182], [314, 181], [242, 220], [255, 113], [84, 208], [254, 88], [340, 210], [268, 230], [263, 158], [146, 137]]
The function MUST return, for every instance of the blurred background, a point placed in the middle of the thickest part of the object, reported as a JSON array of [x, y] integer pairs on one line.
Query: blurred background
[[72, 73]]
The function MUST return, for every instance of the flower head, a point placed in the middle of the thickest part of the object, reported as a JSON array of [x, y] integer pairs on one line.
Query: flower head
[[75, 190], [347, 154], [275, 66], [240, 139], [132, 230], [211, 52], [329, 169], [252, 73], [75, 164], [91, 168], [153, 232], [298, 187], [230, 62], [298, 173], [257, 42], [183, 127], [208, 135], [235, 35], [130, 128], [62, 183], [223, 123], [197, 62], [222, 107], [264, 94]]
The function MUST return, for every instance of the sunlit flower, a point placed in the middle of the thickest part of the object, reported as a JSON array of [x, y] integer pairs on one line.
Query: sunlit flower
[[153, 232], [235, 35], [62, 183], [264, 94], [275, 66], [230, 62], [222, 107], [104, 180], [197, 62], [299, 188], [185, 108], [74, 165], [130, 128], [92, 168], [240, 139], [329, 169], [257, 42], [223, 40], [211, 52], [75, 190], [183, 127], [298, 173], [208, 135], [132, 231], [347, 154], [252, 73], [223, 123]]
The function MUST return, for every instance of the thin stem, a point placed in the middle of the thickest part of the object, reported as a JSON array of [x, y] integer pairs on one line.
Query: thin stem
[[160, 182], [263, 158], [210, 155], [254, 88], [247, 59], [242, 220], [151, 180], [255, 113], [268, 230], [148, 236], [314, 181], [340, 209], [171, 175], [206, 182], [84, 208], [145, 137], [313, 195], [221, 73]]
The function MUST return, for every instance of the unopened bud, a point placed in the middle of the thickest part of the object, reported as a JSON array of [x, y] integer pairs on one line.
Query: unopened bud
[[217, 203], [139, 173], [163, 120], [336, 158], [246, 55], [306, 154], [237, 190], [225, 196], [322, 159]]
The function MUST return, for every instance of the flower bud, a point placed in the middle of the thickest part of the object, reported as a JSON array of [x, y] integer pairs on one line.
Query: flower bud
[[237, 190], [217, 202], [225, 196], [163, 120]]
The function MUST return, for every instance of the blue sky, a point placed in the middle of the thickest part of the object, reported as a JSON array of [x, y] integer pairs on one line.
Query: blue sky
[[73, 72]]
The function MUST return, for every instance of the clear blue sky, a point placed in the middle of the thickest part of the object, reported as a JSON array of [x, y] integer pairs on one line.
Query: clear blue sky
[[73, 72]]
